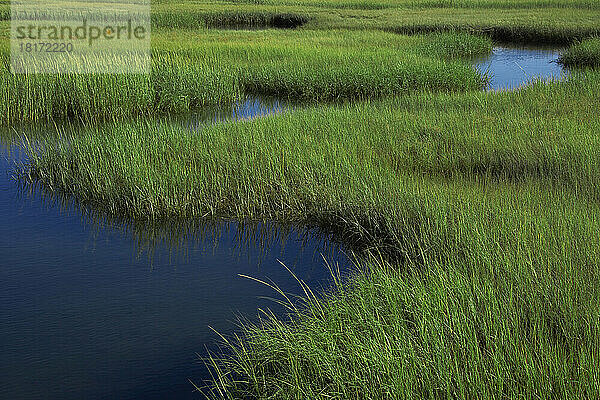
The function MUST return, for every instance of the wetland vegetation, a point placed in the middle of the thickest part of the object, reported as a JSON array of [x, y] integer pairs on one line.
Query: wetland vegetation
[[474, 216], [191, 69], [584, 54]]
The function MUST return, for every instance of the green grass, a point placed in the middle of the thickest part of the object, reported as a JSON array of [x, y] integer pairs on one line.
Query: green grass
[[228, 19], [390, 4], [482, 209], [296, 158], [539, 21], [192, 69], [474, 216], [507, 327], [322, 76], [176, 84], [544, 22], [216, 67], [585, 54]]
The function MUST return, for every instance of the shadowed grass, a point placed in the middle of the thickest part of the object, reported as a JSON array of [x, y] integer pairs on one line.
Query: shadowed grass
[[585, 54]]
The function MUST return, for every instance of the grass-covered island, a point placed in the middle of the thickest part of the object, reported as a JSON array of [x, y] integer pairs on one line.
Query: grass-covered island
[[474, 215]]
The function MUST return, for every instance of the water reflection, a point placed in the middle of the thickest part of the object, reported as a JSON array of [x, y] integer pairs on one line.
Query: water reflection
[[511, 67], [240, 238], [249, 108], [99, 308]]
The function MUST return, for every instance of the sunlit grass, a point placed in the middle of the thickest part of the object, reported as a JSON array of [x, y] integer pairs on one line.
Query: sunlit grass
[[481, 211], [276, 167], [535, 21], [474, 216], [390, 4], [175, 84], [191, 69]]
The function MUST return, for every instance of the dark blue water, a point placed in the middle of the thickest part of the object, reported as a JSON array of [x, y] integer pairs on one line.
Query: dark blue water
[[97, 309], [512, 67]]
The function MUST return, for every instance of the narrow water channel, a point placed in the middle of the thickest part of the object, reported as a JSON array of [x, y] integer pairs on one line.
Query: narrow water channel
[[97, 309]]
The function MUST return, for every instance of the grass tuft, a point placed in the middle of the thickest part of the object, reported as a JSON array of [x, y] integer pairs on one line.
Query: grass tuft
[[585, 54], [478, 327], [176, 84]]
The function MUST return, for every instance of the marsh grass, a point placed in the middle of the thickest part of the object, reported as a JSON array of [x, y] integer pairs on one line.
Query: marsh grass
[[481, 210], [178, 235], [296, 166], [533, 21], [228, 19], [585, 54], [543, 22], [175, 84], [212, 68], [495, 293], [506, 33], [392, 4], [475, 217], [502, 321], [324, 76]]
